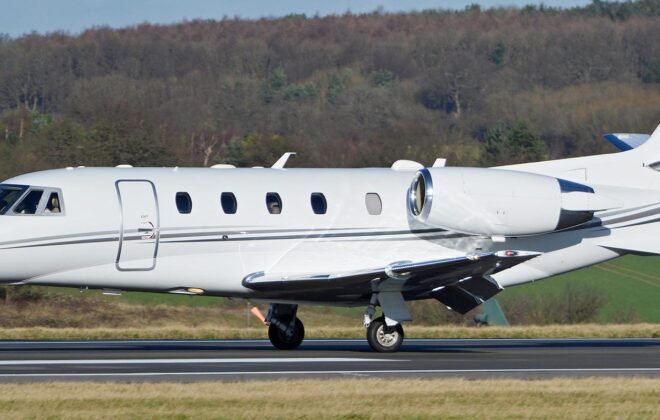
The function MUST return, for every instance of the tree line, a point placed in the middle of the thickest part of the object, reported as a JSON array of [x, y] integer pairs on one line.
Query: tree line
[[478, 87]]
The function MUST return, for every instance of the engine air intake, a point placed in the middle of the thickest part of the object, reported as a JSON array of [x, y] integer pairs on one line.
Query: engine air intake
[[498, 202]]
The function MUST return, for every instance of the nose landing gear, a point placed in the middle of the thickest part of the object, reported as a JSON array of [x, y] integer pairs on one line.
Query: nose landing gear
[[383, 338]]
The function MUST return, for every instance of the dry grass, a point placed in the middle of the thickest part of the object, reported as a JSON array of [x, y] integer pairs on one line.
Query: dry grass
[[347, 398], [211, 331], [539, 331], [62, 317], [72, 311]]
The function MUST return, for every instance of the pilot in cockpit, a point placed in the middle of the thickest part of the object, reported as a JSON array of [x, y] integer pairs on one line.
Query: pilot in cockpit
[[53, 205]]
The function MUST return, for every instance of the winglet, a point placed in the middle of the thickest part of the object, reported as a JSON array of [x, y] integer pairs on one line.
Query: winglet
[[440, 163], [626, 141], [282, 161]]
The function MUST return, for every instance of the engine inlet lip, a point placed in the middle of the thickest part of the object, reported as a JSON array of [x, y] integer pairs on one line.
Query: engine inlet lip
[[423, 175]]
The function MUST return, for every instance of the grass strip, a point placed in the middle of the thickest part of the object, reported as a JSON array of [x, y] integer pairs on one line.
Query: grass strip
[[342, 398], [412, 331]]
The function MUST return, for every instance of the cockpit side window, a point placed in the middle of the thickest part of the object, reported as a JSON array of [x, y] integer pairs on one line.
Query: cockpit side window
[[9, 194], [53, 204], [30, 203]]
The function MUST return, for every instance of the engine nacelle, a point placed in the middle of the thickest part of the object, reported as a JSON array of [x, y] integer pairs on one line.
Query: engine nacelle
[[497, 202]]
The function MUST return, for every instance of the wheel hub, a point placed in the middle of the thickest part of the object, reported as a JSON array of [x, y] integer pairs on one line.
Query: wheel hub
[[387, 338]]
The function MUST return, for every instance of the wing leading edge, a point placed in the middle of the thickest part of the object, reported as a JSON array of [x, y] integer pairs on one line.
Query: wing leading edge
[[461, 283]]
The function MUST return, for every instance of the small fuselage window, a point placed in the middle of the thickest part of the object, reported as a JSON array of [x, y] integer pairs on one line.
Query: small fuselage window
[[373, 203], [183, 202], [273, 203], [229, 203], [318, 202]]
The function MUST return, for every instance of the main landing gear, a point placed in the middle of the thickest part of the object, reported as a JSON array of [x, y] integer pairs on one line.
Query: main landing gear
[[285, 330]]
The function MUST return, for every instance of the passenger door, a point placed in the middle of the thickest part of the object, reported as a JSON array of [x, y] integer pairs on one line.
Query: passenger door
[[139, 230]]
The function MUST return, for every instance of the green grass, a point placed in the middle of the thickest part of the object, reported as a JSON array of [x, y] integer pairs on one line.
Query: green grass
[[631, 285]]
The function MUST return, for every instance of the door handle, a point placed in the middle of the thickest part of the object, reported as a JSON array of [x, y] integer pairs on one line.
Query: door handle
[[151, 231]]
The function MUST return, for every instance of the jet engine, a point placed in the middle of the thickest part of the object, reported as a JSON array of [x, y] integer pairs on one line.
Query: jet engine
[[498, 202]]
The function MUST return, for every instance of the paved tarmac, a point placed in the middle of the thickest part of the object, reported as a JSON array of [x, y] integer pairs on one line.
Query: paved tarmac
[[196, 360]]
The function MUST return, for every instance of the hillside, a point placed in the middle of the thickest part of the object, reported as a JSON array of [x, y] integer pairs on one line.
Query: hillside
[[629, 289], [479, 87]]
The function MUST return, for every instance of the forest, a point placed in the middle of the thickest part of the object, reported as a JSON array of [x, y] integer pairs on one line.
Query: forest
[[479, 87]]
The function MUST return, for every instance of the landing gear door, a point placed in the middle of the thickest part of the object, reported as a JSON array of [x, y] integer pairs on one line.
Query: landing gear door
[[139, 229]]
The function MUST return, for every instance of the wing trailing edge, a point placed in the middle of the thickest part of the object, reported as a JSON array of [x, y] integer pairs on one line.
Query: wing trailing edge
[[461, 283]]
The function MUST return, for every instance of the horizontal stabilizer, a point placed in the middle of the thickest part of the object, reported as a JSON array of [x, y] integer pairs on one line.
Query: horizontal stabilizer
[[644, 246], [640, 239], [626, 141], [581, 201]]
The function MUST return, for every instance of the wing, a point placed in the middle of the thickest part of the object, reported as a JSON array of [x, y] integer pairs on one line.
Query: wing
[[460, 282]]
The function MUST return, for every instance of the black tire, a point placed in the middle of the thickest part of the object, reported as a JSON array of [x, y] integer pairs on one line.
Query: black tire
[[382, 338], [281, 341]]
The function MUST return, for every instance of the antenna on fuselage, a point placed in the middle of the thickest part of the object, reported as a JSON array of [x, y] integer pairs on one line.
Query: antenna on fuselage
[[282, 161]]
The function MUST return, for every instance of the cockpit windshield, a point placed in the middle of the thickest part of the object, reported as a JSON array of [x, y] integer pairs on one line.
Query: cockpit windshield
[[24, 200], [30, 203], [9, 194]]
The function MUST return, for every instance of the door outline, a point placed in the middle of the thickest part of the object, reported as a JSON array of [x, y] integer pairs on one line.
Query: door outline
[[121, 225]]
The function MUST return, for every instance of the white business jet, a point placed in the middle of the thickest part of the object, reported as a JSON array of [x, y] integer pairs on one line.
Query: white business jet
[[346, 237]]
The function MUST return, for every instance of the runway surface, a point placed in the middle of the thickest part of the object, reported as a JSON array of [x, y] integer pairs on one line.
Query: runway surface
[[194, 360]]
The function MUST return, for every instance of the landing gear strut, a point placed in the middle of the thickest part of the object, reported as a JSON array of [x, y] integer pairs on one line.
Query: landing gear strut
[[285, 330], [383, 338]]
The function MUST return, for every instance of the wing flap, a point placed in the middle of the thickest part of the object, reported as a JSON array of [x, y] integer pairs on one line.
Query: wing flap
[[468, 294], [457, 299]]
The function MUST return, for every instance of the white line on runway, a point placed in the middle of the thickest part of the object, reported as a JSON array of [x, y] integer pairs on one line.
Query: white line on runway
[[327, 372], [188, 361]]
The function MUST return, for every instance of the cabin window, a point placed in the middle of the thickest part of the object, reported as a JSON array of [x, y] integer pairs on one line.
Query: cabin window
[[30, 203], [273, 203], [53, 205], [9, 194], [319, 205], [229, 203], [183, 203], [373, 203]]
